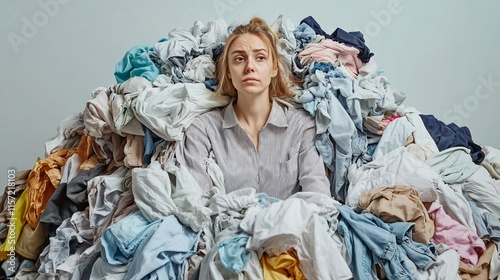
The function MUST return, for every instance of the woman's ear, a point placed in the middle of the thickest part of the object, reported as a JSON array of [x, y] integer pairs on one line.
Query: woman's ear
[[274, 73]]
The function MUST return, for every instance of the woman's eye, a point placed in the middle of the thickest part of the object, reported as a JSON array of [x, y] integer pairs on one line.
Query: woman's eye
[[239, 59], [261, 57]]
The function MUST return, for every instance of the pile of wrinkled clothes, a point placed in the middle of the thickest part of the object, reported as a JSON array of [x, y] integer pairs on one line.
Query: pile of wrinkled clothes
[[411, 196]]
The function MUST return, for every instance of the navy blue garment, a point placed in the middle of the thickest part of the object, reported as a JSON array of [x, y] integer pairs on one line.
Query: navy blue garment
[[451, 135], [297, 62], [211, 84], [151, 141], [353, 39], [314, 25]]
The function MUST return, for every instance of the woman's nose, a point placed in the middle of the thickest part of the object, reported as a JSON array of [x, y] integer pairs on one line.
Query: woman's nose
[[249, 67]]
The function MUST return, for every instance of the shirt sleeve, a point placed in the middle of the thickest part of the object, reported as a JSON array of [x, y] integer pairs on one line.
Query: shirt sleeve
[[312, 176], [192, 152]]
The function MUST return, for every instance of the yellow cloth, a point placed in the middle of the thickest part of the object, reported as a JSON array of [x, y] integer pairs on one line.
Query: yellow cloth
[[16, 223], [282, 267], [11, 195], [86, 151], [43, 180], [45, 176]]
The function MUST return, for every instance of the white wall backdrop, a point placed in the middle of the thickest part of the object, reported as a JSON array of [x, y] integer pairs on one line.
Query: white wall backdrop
[[443, 54]]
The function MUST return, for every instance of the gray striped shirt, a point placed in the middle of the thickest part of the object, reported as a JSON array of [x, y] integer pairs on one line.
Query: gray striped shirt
[[285, 163]]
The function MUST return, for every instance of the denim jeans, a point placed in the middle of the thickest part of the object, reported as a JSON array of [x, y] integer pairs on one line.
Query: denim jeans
[[365, 242], [370, 241], [423, 256]]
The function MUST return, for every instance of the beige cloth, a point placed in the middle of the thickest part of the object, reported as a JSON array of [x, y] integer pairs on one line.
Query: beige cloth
[[482, 269], [421, 152], [134, 151], [492, 157], [491, 169], [374, 125], [399, 204]]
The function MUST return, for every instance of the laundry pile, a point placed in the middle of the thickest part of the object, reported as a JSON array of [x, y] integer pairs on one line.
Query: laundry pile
[[412, 197]]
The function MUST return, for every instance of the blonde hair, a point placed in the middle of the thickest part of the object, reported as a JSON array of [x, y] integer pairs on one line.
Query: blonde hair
[[280, 86]]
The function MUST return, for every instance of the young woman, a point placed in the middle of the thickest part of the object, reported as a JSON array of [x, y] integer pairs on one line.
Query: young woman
[[256, 141]]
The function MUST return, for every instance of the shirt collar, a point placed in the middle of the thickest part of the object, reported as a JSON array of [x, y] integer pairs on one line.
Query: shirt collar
[[277, 116]]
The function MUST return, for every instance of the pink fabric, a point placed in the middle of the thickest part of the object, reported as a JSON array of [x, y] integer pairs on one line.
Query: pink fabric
[[457, 236], [387, 120], [331, 51]]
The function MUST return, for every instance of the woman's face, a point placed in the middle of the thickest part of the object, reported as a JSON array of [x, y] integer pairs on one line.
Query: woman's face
[[251, 65]]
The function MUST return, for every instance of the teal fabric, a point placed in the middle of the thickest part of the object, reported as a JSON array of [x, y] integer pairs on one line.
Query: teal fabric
[[136, 62]]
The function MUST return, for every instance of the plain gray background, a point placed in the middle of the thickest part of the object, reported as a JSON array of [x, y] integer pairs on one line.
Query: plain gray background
[[443, 54]]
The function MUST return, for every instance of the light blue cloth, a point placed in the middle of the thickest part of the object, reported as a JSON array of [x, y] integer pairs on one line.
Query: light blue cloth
[[265, 200], [492, 222], [454, 165], [233, 254], [487, 223], [481, 229], [136, 62], [304, 34], [364, 242], [163, 253], [326, 96], [120, 241]]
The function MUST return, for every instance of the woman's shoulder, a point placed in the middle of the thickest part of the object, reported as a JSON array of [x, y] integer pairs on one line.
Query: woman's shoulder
[[212, 115], [209, 118], [299, 116]]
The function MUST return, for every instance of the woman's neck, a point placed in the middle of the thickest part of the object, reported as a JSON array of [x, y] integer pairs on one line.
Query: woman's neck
[[253, 113]]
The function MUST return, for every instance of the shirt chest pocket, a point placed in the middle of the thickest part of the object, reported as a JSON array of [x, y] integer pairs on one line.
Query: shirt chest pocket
[[289, 166]]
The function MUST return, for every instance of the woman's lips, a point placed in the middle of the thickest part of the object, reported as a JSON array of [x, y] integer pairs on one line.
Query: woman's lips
[[250, 80]]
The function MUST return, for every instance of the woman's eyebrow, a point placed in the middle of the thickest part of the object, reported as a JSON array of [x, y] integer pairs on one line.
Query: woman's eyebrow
[[259, 50], [253, 50], [238, 51]]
